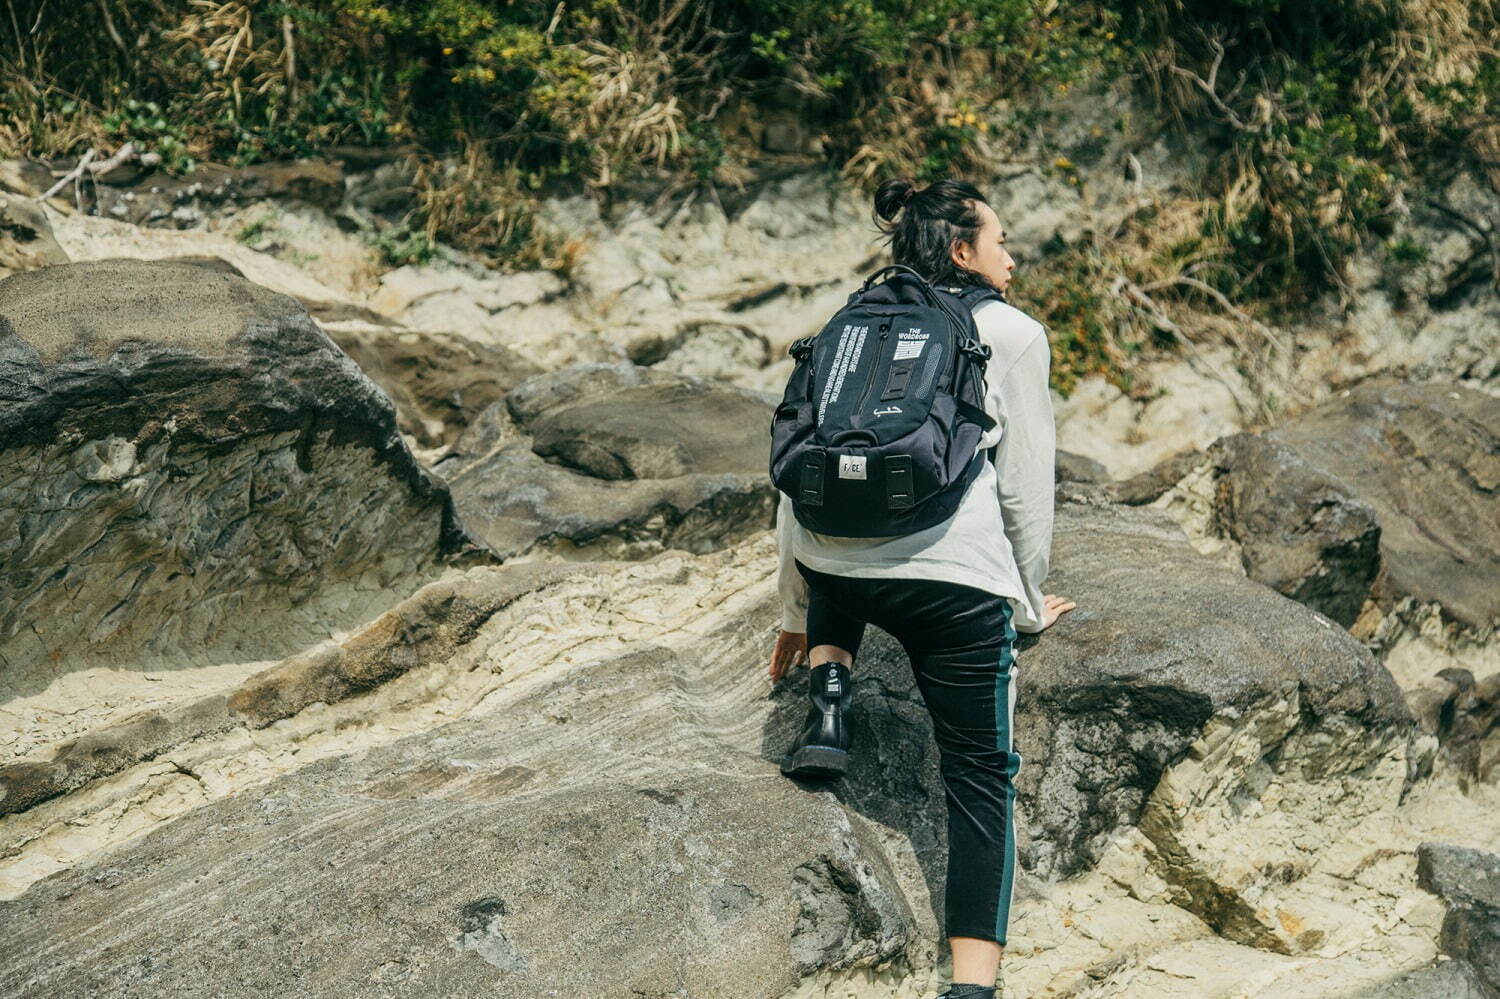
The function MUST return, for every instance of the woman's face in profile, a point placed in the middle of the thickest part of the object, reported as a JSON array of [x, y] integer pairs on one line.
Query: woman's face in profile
[[987, 255]]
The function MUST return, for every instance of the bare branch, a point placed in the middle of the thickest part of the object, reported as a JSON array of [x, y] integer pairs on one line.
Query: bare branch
[[1224, 303], [122, 155], [71, 176], [1484, 234], [1132, 293], [109, 26], [289, 49], [1210, 86]]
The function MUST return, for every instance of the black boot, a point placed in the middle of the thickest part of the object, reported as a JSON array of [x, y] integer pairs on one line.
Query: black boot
[[822, 749]]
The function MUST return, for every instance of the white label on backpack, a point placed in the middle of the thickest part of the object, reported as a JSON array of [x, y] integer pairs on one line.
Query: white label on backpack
[[909, 344], [851, 466], [851, 347]]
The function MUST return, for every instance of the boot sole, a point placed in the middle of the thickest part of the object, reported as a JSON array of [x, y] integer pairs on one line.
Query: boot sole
[[815, 761]]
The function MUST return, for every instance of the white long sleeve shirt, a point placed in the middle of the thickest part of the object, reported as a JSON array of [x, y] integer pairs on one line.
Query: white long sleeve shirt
[[1000, 538]]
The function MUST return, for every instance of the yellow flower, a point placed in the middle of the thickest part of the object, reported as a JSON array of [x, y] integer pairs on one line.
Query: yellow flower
[[1063, 163], [447, 50]]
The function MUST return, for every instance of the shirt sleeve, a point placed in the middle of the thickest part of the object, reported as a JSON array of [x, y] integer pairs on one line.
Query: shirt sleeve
[[789, 582], [1025, 468]]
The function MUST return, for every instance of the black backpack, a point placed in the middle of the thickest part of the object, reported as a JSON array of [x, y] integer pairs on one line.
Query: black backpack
[[878, 431]]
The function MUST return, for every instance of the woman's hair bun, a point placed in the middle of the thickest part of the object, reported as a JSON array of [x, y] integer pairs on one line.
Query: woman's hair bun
[[892, 196]]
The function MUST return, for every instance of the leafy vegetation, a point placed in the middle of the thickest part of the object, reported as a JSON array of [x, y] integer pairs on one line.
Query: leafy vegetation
[[1324, 114]]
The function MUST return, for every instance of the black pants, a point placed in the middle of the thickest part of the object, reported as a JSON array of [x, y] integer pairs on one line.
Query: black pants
[[962, 650]]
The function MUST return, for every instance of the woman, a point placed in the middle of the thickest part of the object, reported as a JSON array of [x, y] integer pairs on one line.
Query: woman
[[954, 595]]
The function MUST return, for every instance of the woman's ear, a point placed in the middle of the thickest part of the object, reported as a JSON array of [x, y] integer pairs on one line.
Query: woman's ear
[[962, 254]]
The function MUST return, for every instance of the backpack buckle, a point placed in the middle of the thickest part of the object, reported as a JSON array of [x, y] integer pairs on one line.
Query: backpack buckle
[[977, 349], [800, 349]]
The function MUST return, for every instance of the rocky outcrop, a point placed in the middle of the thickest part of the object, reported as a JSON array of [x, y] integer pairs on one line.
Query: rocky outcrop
[[1381, 510], [635, 780], [1173, 674], [631, 458], [152, 197], [433, 623], [1198, 715], [1469, 882], [1300, 528], [1390, 491], [191, 472]]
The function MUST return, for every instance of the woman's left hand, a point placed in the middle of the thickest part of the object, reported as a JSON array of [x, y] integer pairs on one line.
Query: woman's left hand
[[791, 648]]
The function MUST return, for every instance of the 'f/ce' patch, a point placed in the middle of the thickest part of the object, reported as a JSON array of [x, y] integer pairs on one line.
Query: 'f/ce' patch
[[851, 466]]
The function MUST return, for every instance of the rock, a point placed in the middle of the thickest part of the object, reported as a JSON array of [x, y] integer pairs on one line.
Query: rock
[[621, 455], [1389, 492], [1196, 400], [706, 349], [1469, 881], [26, 240], [1172, 679], [1448, 980], [1381, 508], [638, 771], [1076, 468], [522, 312], [1301, 530], [1148, 486], [439, 382], [453, 861], [1427, 459], [434, 623], [161, 199], [1464, 713], [192, 472], [656, 431]]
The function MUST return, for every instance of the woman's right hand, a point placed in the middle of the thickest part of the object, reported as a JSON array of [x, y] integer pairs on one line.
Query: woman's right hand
[[1054, 607], [791, 648]]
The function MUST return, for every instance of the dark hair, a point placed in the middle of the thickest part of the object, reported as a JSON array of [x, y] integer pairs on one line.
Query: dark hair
[[930, 221]]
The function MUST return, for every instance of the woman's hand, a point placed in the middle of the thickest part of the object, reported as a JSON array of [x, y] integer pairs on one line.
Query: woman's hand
[[1054, 607], [791, 648]]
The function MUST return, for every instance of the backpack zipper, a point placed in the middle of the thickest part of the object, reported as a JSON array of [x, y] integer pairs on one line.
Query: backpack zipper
[[885, 330]]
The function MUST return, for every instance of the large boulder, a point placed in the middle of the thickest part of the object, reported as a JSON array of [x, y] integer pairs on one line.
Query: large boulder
[[1301, 529], [1381, 510], [1390, 491], [630, 458], [192, 473], [1220, 718]]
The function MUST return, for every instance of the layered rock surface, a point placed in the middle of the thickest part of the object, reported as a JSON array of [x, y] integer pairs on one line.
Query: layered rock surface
[[609, 817], [191, 474]]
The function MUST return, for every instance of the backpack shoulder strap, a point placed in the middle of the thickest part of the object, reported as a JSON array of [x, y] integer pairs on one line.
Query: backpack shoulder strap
[[973, 295]]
